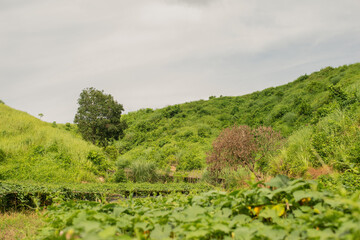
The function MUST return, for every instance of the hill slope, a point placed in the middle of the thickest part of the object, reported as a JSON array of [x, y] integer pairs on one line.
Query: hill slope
[[34, 150], [182, 134]]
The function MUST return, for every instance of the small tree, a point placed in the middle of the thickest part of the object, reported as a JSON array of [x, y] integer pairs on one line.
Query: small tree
[[242, 146], [98, 117]]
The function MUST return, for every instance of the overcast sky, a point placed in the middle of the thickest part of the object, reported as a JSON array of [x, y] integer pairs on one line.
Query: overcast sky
[[154, 53]]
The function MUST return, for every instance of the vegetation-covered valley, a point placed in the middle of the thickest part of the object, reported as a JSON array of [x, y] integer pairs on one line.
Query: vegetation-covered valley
[[303, 185]]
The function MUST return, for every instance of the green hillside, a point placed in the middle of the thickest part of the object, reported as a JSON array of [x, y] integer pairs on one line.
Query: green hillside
[[314, 109], [31, 149], [318, 115]]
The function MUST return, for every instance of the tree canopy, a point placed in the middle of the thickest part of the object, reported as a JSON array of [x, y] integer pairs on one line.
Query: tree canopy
[[98, 117]]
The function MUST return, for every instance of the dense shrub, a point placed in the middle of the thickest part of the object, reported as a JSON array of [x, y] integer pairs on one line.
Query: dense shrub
[[241, 146], [171, 111], [112, 152], [120, 174], [204, 131], [98, 159]]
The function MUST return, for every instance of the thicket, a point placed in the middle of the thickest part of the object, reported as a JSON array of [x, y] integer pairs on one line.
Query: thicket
[[243, 147]]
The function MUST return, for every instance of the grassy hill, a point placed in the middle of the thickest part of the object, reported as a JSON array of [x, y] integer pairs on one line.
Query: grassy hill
[[31, 149], [317, 113]]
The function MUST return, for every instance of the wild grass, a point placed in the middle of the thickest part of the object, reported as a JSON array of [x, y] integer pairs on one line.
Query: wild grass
[[19, 225], [39, 151]]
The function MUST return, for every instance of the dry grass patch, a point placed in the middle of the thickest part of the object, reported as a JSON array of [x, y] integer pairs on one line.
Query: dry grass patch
[[19, 225]]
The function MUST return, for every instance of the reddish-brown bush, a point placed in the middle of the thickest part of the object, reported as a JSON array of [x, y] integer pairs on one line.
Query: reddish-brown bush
[[242, 146]]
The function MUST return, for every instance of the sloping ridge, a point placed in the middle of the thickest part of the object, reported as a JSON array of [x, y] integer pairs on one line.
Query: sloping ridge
[[182, 134], [38, 151]]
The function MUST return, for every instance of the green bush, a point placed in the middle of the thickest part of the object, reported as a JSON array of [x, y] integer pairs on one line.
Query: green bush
[[121, 165], [190, 161], [120, 176], [112, 152], [171, 111], [289, 118], [98, 159], [350, 181], [204, 131]]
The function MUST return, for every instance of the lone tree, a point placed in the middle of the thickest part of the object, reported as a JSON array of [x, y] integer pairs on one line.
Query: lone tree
[[98, 117], [242, 146]]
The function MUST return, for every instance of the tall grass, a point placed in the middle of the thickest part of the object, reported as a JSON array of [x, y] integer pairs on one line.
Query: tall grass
[[334, 141], [36, 150], [143, 171]]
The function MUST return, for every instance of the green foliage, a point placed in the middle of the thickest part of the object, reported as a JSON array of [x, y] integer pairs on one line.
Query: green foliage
[[37, 151], [171, 111], [98, 159], [333, 141], [98, 117], [348, 181], [112, 152], [293, 209], [120, 175], [21, 195], [1, 102], [295, 157], [235, 179], [2, 155], [143, 171], [164, 135], [204, 131]]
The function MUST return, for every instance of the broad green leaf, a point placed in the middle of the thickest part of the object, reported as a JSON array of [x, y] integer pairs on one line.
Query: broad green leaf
[[244, 233], [241, 219], [280, 209], [197, 234], [268, 213], [221, 227], [88, 225], [108, 232], [141, 225], [161, 232], [279, 181]]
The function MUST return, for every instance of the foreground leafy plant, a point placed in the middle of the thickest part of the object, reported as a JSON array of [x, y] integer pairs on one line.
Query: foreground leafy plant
[[286, 209]]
